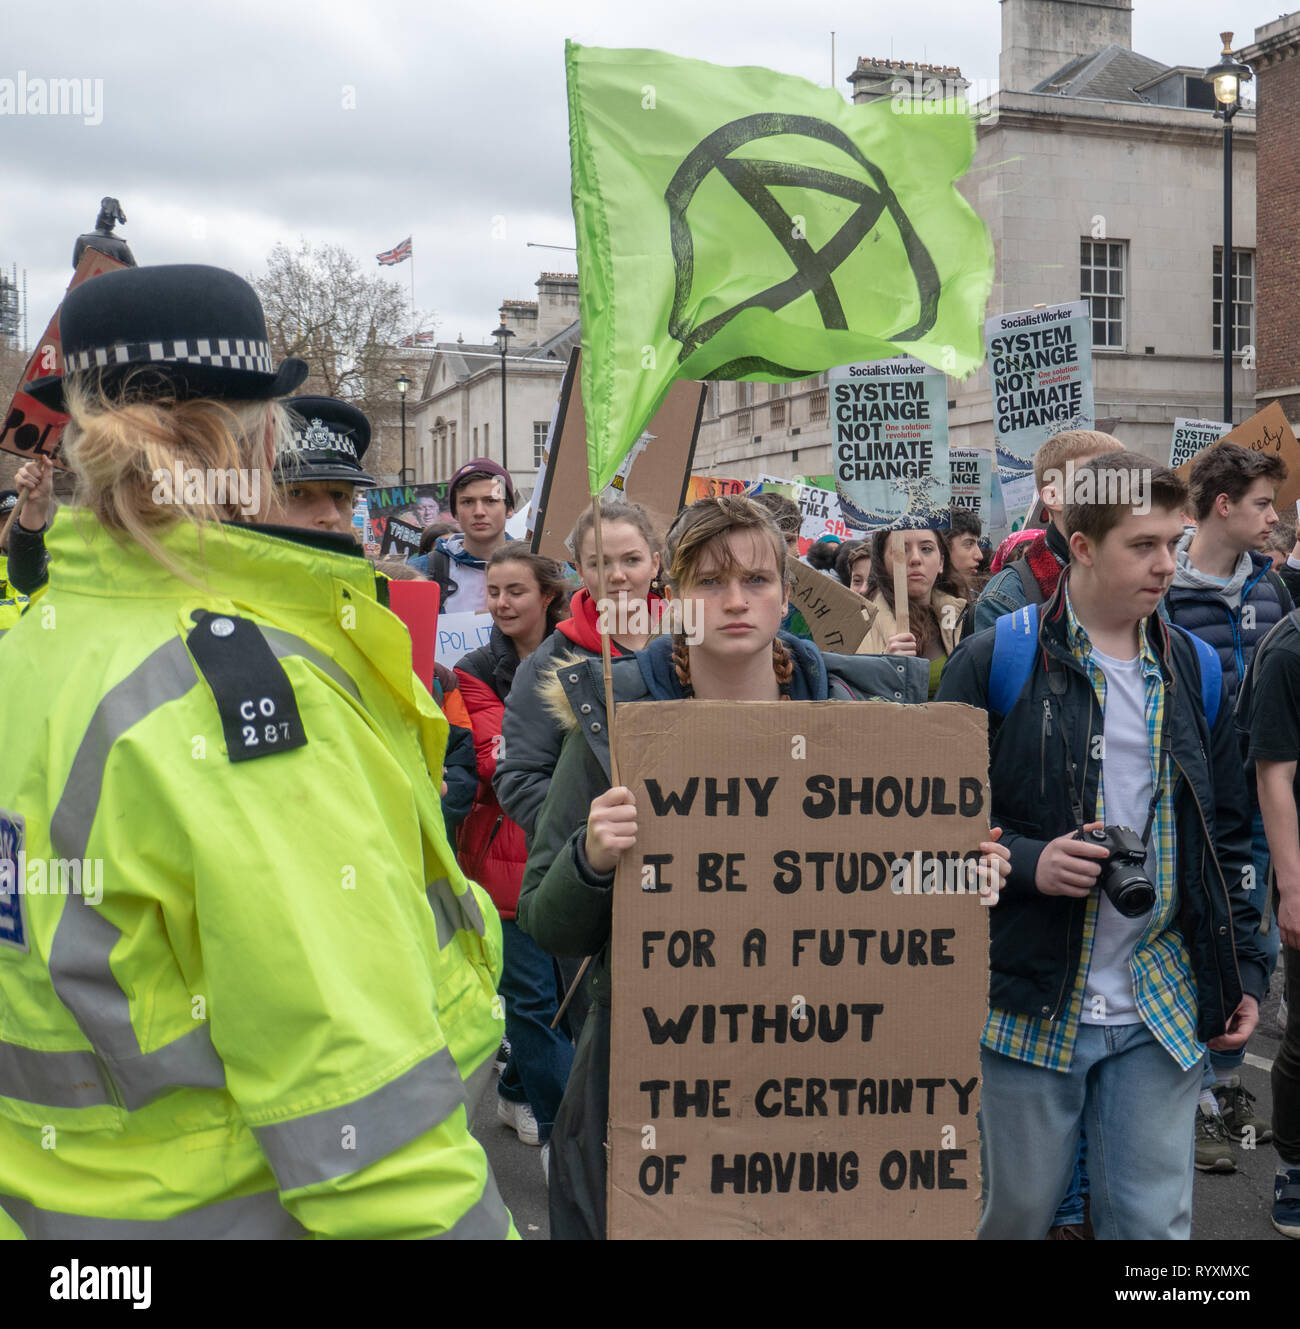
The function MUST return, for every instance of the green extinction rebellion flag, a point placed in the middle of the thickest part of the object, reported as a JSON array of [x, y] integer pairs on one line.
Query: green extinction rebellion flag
[[738, 223]]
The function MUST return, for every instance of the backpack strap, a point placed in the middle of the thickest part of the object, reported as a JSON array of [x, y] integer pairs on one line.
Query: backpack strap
[[1014, 644], [1211, 674], [1029, 583]]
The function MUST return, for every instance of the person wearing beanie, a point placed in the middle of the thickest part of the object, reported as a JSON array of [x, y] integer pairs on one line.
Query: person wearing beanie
[[482, 497]]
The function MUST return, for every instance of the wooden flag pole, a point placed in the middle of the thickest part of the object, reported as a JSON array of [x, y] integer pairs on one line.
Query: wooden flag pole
[[901, 616], [608, 671]]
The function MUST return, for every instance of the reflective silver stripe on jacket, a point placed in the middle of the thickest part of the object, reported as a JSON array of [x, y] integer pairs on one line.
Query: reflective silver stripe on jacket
[[255, 1217], [312, 1149], [284, 644], [451, 912], [53, 1079], [488, 1220], [84, 939]]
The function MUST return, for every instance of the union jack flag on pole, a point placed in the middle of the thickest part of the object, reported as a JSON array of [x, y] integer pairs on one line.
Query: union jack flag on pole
[[396, 255]]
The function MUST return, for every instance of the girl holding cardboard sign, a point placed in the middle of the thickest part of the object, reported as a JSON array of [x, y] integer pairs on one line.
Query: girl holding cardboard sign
[[929, 626], [728, 557]]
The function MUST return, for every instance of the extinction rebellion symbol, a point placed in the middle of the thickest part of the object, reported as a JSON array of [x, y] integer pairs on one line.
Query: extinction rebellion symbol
[[753, 179]]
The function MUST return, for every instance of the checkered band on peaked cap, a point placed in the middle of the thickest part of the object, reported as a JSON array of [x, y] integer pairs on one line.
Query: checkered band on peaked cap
[[330, 437], [482, 464], [181, 329], [8, 501]]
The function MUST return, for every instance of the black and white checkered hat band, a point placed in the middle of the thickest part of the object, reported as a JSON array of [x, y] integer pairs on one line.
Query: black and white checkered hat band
[[217, 352]]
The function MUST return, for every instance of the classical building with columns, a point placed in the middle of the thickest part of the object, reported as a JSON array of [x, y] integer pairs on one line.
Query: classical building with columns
[[1099, 173]]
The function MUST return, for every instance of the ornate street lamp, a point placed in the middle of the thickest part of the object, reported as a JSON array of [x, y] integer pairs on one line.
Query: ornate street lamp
[[502, 337], [403, 384]]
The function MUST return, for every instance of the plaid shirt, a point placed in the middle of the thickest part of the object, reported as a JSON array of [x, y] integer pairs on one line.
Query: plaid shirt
[[1160, 970]]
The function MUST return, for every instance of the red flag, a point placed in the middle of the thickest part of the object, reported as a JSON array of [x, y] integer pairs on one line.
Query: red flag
[[30, 429]]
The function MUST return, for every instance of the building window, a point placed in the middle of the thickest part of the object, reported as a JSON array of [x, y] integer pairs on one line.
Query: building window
[[744, 396], [817, 405], [1243, 299], [475, 437], [1101, 283], [540, 429], [744, 424], [487, 439], [776, 414]]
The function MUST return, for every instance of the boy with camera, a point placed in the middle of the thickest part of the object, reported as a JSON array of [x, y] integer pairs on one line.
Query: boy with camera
[[1123, 942]]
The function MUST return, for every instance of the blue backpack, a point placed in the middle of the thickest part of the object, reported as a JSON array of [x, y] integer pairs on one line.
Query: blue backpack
[[1016, 641]]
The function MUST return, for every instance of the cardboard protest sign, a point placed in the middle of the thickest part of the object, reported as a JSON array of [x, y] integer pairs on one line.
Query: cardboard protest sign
[[820, 509], [832, 611], [1192, 437], [416, 604], [889, 438], [798, 998], [971, 471], [655, 473], [30, 429], [458, 634], [712, 486], [400, 537], [1040, 369], [1267, 431]]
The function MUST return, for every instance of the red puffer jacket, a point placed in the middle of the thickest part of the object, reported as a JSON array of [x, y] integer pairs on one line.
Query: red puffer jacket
[[489, 846]]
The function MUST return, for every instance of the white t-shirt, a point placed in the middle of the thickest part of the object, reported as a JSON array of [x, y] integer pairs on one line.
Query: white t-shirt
[[1126, 798]]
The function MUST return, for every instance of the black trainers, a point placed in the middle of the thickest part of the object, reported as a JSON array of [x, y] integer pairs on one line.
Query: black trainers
[[1240, 1119], [1213, 1148]]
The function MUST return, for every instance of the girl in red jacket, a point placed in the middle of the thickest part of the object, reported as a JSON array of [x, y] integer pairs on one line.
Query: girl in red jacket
[[525, 596]]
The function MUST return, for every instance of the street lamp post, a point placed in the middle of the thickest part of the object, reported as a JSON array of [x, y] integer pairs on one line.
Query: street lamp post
[[1227, 77], [502, 336], [403, 383]]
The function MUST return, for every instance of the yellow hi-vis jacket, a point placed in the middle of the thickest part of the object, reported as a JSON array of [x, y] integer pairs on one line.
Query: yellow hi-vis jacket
[[12, 600], [266, 1011]]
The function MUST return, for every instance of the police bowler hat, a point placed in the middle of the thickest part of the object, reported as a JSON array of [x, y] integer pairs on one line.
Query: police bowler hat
[[181, 329], [329, 439]]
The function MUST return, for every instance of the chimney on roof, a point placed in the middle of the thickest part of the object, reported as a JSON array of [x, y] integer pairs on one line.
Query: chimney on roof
[[520, 316], [877, 80], [1040, 36], [557, 303]]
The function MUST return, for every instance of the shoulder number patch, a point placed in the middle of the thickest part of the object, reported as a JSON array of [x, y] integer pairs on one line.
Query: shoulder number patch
[[259, 713], [13, 922]]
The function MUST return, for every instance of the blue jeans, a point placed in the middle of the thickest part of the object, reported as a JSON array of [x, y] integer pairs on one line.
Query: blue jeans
[[1229, 1063], [540, 1056], [1138, 1108]]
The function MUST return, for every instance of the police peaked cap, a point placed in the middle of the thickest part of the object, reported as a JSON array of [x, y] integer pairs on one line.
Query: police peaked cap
[[180, 329], [330, 437]]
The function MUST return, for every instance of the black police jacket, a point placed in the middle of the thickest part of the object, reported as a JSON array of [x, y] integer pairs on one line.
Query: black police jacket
[[1036, 940]]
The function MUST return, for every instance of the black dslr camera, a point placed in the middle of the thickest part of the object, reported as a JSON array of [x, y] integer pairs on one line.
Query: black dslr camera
[[1123, 874]]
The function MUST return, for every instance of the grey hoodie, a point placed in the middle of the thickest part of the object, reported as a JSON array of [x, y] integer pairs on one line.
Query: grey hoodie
[[1188, 577]]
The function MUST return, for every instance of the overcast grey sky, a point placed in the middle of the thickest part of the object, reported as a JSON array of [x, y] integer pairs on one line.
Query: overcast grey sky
[[224, 128]]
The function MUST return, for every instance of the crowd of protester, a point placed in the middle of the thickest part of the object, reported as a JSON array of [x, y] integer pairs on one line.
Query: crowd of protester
[[1139, 661]]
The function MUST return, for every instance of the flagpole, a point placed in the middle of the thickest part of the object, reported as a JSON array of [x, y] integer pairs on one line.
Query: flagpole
[[602, 622], [412, 290]]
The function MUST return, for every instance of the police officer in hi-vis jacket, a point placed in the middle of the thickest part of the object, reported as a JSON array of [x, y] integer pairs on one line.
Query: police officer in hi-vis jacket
[[230, 1006]]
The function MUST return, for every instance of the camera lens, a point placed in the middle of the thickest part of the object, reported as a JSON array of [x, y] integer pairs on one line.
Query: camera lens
[[1130, 892]]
